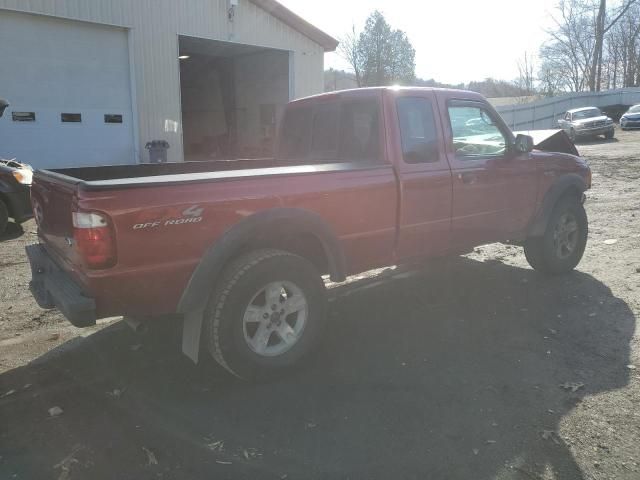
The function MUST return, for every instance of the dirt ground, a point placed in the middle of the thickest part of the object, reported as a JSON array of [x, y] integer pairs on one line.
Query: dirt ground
[[478, 368]]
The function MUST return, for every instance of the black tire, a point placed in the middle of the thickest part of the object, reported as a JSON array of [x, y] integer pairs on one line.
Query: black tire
[[609, 135], [4, 217], [545, 254], [224, 322]]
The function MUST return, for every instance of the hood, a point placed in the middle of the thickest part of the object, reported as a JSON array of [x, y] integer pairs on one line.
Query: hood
[[631, 116], [582, 121], [551, 141]]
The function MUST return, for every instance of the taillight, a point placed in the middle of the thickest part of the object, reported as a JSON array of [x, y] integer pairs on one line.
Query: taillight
[[94, 239]]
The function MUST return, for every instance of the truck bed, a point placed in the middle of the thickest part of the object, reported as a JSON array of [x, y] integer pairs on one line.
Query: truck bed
[[125, 176], [119, 172]]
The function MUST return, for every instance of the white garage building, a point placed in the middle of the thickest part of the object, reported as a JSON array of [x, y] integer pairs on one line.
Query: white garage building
[[90, 82]]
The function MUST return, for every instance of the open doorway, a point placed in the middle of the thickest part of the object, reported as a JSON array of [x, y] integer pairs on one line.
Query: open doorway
[[232, 98]]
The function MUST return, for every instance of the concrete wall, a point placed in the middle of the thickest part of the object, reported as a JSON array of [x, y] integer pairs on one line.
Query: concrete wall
[[153, 29], [544, 113]]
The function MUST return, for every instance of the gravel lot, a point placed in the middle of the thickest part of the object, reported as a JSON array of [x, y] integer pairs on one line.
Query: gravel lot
[[478, 368]]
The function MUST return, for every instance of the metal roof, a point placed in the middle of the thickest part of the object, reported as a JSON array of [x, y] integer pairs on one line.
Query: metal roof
[[298, 23]]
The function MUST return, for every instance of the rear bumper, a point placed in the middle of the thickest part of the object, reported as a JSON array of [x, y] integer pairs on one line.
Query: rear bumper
[[20, 203], [53, 288]]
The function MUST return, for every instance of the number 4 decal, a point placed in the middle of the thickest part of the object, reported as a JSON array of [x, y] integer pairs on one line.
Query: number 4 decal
[[194, 211]]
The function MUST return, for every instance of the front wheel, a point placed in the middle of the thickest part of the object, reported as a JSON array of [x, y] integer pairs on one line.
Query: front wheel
[[609, 135], [561, 247], [266, 314]]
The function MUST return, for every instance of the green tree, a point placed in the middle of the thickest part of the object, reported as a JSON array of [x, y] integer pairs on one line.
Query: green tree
[[379, 55]]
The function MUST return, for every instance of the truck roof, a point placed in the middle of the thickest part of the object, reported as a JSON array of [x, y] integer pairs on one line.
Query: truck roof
[[581, 109], [393, 90]]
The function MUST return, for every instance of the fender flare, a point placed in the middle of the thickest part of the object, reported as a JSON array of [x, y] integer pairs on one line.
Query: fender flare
[[262, 225], [558, 189]]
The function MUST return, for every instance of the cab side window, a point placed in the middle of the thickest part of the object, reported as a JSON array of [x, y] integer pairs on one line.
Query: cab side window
[[475, 134], [418, 130]]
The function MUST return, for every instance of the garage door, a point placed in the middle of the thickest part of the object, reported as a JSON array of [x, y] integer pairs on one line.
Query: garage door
[[69, 88]]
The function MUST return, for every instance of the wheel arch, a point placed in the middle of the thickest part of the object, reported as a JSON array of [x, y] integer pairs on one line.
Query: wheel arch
[[291, 229], [566, 185]]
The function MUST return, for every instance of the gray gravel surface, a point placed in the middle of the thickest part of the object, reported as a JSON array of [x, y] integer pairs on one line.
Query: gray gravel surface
[[476, 368]]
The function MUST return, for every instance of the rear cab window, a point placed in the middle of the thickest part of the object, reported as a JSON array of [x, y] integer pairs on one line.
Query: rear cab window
[[345, 129]]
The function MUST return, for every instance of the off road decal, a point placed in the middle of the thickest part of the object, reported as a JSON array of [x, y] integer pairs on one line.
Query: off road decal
[[191, 215]]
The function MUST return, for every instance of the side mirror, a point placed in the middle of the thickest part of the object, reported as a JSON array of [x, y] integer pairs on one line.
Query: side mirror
[[3, 105], [524, 143]]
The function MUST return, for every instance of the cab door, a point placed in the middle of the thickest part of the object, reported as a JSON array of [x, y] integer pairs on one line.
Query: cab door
[[424, 175], [494, 187]]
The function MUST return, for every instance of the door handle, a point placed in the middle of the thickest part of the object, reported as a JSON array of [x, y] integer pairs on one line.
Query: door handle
[[468, 178]]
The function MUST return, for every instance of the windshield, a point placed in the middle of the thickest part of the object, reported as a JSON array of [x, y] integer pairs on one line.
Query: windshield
[[634, 109], [592, 112]]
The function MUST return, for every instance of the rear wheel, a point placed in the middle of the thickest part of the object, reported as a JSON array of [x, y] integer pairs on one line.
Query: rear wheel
[[4, 216], [266, 315], [561, 247]]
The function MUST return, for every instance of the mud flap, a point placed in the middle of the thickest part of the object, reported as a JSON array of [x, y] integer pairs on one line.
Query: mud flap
[[191, 332]]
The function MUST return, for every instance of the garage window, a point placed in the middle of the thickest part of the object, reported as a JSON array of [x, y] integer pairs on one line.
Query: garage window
[[112, 118], [23, 116], [71, 117], [344, 131]]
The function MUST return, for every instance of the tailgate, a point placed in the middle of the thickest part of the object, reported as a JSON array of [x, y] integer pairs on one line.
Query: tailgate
[[53, 200]]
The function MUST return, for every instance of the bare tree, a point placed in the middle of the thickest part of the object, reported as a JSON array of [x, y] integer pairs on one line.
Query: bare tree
[[568, 53], [591, 43], [601, 29], [526, 78], [349, 49]]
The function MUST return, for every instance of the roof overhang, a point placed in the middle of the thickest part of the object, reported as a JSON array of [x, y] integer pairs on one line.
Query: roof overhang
[[298, 23]]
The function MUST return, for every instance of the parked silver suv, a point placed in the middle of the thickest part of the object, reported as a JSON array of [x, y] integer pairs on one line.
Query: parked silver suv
[[586, 122]]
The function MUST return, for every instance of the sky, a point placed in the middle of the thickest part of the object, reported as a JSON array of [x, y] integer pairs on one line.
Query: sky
[[456, 41]]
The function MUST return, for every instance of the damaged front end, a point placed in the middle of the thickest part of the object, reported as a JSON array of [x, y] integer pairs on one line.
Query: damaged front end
[[551, 141]]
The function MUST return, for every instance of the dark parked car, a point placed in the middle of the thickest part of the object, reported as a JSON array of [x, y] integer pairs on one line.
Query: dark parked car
[[15, 180], [631, 119], [586, 122]]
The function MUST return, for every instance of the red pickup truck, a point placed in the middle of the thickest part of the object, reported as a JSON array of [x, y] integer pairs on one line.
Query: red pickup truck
[[237, 249]]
